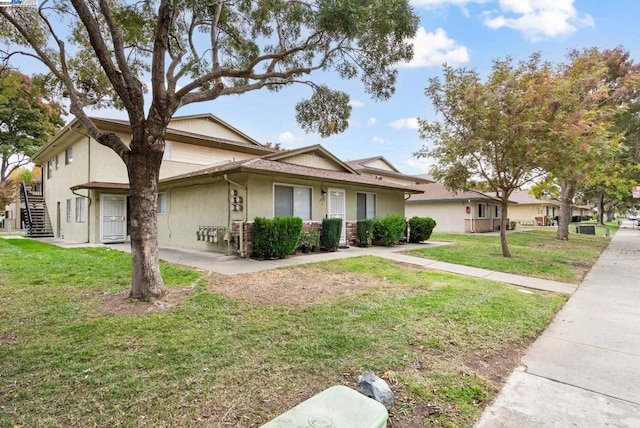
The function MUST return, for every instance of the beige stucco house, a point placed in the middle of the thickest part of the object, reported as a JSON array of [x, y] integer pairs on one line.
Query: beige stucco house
[[214, 180], [454, 212], [527, 210]]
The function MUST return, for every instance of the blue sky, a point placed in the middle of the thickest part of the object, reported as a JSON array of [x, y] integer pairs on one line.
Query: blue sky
[[468, 33]]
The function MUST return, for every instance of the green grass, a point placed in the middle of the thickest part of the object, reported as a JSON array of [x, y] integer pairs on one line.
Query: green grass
[[215, 361], [534, 253]]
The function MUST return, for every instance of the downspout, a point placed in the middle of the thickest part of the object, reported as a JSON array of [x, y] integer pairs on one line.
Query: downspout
[[89, 180], [246, 210]]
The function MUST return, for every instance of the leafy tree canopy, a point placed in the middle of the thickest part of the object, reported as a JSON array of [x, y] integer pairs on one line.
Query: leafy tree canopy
[[27, 119]]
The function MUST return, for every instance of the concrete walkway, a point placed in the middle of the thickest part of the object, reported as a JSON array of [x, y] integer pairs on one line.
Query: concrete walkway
[[584, 370], [232, 265]]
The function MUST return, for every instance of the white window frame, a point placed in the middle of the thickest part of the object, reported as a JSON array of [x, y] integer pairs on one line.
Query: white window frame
[[482, 210], [49, 169], [366, 202], [68, 155], [161, 203], [498, 211], [294, 186], [57, 158], [68, 213], [81, 210]]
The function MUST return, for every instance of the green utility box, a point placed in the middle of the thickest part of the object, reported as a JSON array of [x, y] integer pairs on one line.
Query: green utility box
[[586, 229], [335, 407]]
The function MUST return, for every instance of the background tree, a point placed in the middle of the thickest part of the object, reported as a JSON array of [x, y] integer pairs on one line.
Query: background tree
[[587, 98], [27, 120], [194, 51], [492, 131]]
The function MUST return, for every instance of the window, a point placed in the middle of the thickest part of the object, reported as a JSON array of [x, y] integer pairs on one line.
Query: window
[[81, 212], [68, 156], [292, 201], [366, 205], [57, 162], [68, 210], [49, 169], [498, 211], [482, 210], [161, 204]]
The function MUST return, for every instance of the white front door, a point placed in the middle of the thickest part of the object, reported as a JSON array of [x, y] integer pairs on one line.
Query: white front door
[[113, 215], [338, 209]]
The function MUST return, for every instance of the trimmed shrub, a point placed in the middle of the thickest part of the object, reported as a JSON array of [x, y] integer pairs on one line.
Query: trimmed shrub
[[330, 235], [420, 228], [364, 230], [277, 237], [389, 229]]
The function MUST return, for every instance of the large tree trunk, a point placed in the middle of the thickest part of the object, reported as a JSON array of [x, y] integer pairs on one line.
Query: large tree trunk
[[600, 220], [503, 228], [144, 169], [567, 192]]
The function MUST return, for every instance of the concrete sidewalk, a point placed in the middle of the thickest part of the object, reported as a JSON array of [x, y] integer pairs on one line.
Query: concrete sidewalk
[[584, 370], [232, 265]]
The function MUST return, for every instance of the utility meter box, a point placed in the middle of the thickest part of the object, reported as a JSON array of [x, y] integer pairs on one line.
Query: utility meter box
[[335, 407]]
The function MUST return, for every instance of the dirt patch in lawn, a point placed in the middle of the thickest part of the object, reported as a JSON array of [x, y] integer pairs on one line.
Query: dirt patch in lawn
[[121, 304], [297, 287]]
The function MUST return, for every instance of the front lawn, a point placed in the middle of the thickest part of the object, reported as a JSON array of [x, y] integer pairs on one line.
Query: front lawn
[[238, 351], [534, 252]]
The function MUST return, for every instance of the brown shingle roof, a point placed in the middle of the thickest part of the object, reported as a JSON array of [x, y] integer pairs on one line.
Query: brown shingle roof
[[270, 167], [436, 192], [524, 197]]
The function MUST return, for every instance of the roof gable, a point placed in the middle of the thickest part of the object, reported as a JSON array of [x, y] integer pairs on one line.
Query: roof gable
[[376, 162], [208, 124], [314, 156]]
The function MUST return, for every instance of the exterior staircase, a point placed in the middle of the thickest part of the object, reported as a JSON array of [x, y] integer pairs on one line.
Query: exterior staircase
[[36, 217]]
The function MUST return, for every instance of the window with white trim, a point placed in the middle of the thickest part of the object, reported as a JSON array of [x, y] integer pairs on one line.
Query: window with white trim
[[366, 205], [161, 203], [292, 201], [498, 211], [81, 210], [49, 169], [482, 210], [68, 155], [57, 158], [68, 210]]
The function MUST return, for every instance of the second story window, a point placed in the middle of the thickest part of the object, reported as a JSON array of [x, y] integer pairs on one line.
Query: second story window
[[68, 155]]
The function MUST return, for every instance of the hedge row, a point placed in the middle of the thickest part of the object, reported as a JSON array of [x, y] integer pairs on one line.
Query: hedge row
[[277, 237]]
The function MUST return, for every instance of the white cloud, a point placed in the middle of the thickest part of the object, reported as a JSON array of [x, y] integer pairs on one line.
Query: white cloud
[[379, 140], [405, 123], [372, 121], [538, 19], [289, 140], [356, 103], [418, 166], [434, 49]]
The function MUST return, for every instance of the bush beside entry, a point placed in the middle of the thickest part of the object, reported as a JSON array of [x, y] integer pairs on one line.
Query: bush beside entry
[[420, 228], [277, 237], [364, 230], [389, 229], [330, 235]]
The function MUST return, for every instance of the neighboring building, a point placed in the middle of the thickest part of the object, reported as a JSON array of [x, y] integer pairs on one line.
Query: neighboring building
[[381, 169], [14, 212], [528, 210], [214, 180], [454, 212]]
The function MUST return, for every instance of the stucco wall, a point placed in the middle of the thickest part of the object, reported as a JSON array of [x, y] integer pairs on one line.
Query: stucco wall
[[190, 207], [449, 216], [525, 214]]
